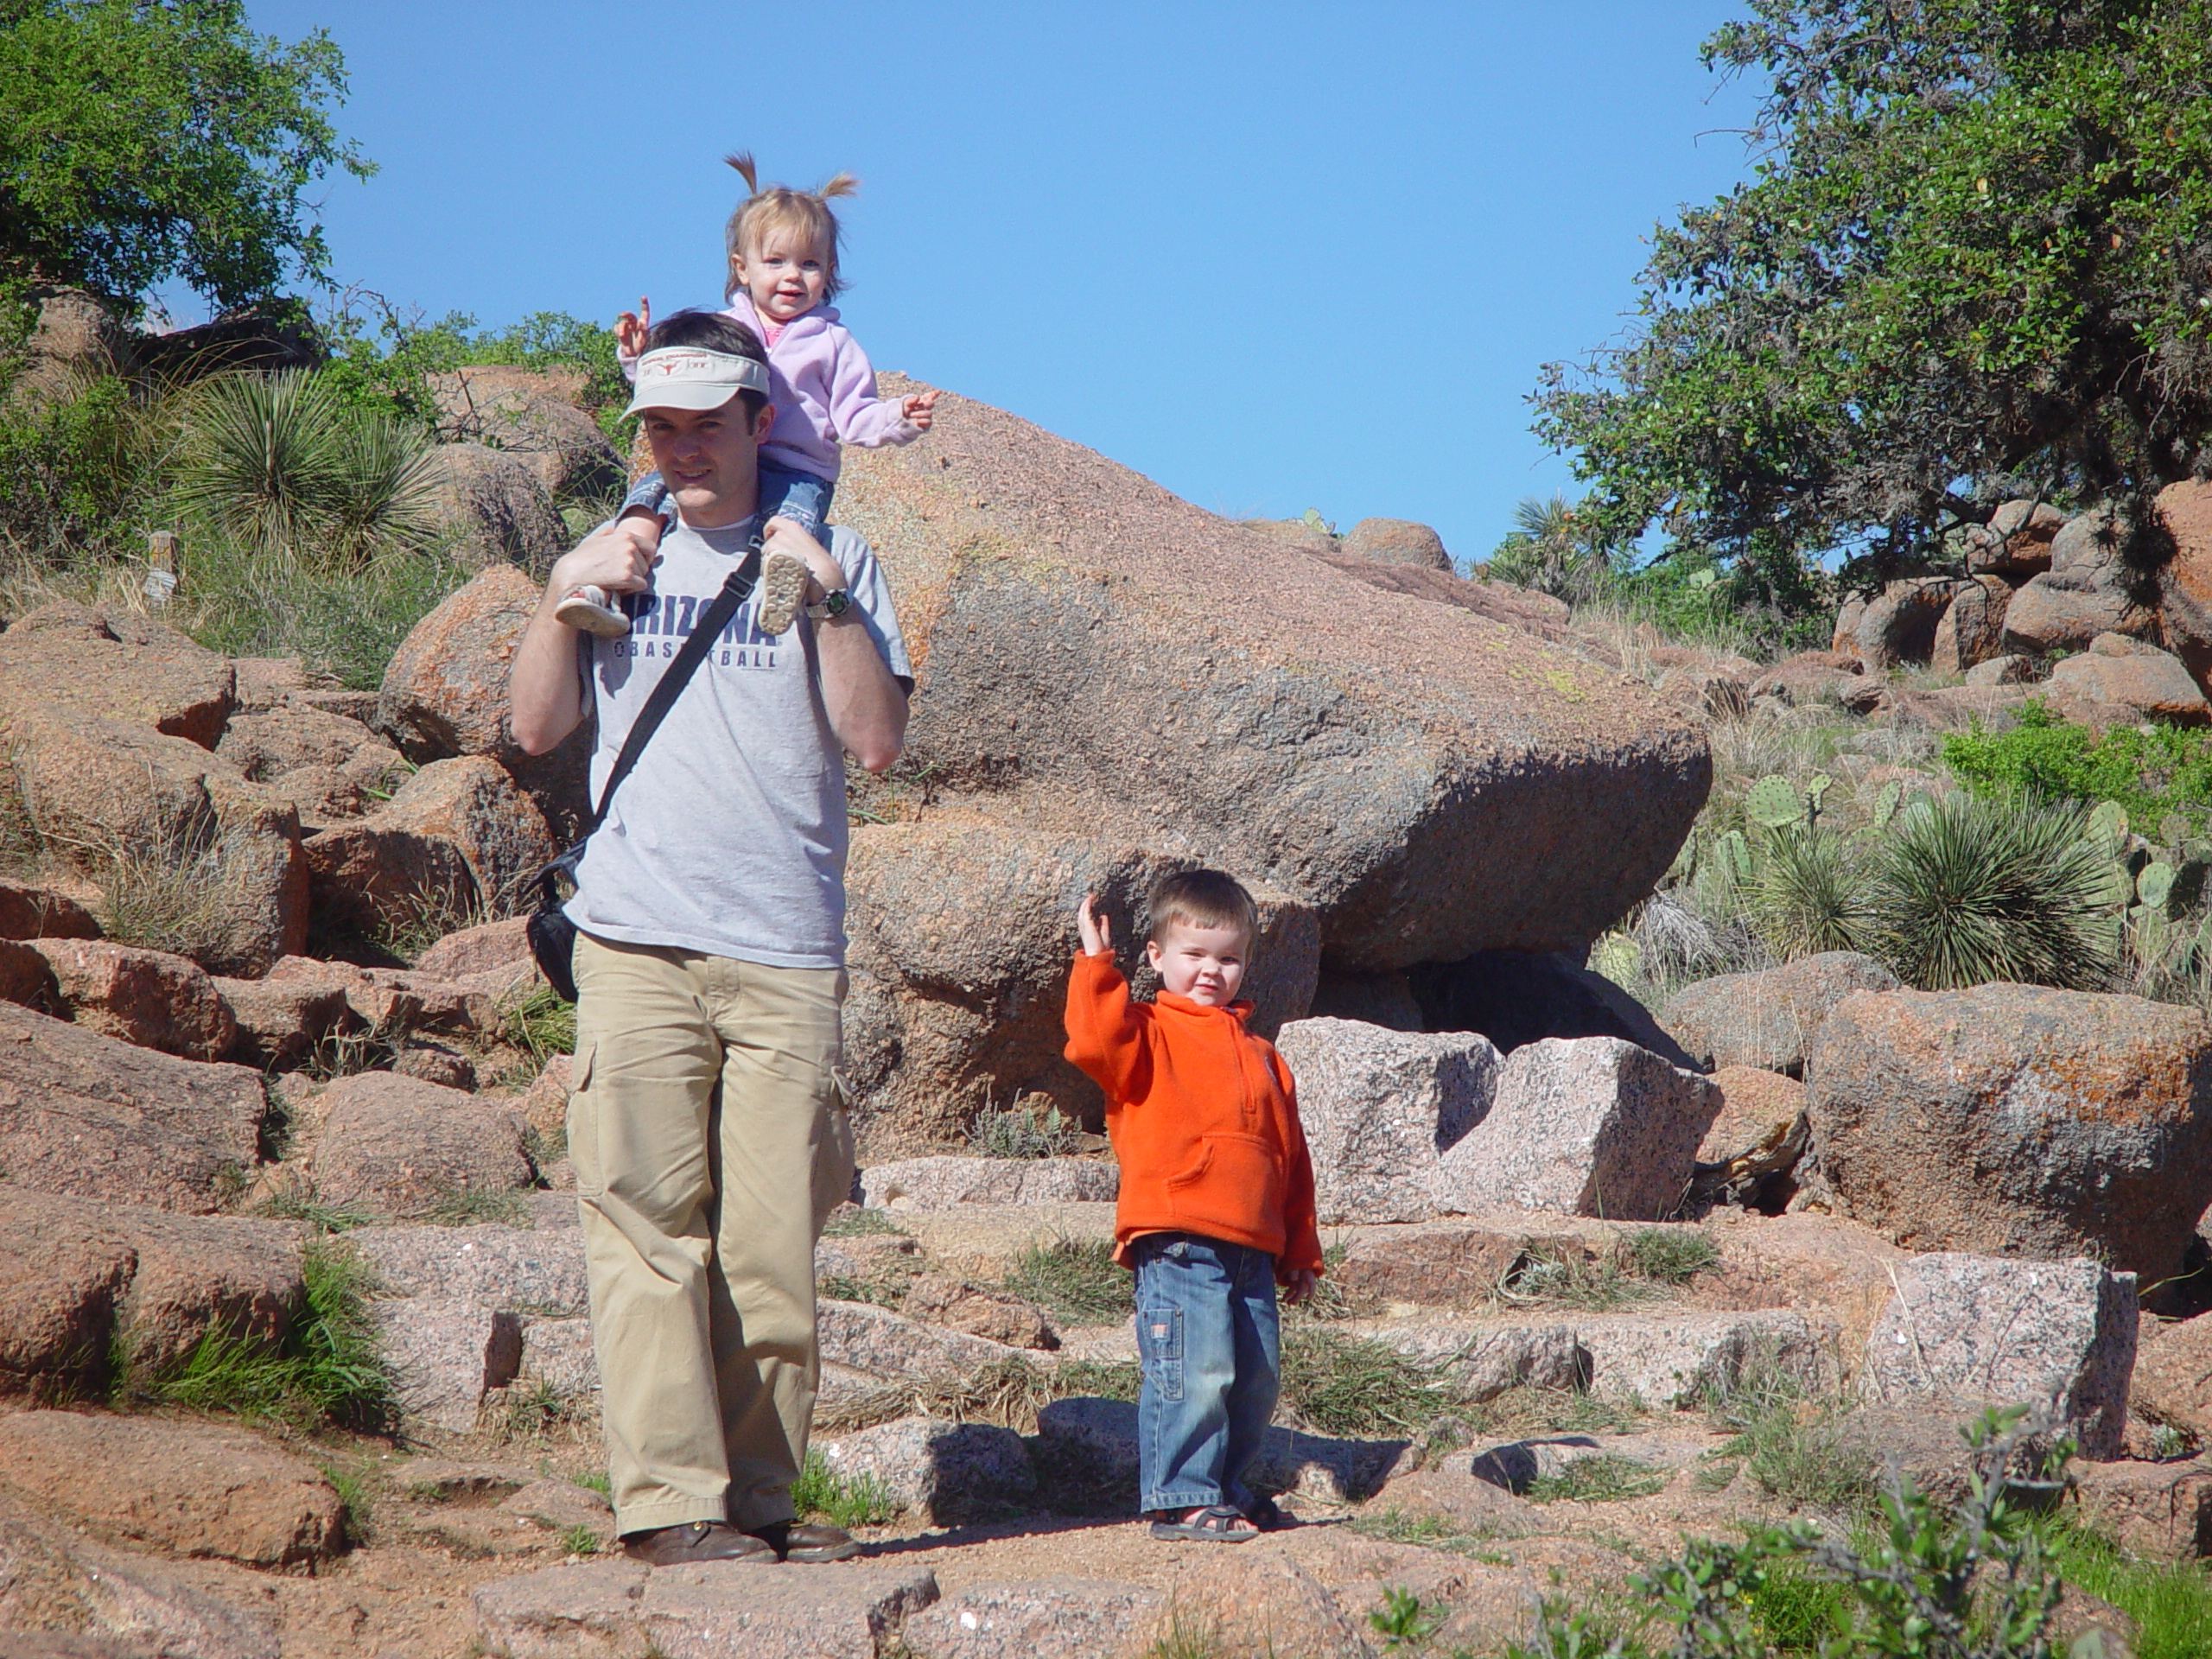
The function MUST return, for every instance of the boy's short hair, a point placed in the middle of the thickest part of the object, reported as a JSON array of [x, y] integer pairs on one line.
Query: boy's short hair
[[1202, 898], [779, 207], [710, 331]]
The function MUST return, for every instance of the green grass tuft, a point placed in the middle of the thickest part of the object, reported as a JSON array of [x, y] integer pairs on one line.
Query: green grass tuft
[[1605, 1477], [1668, 1255], [1340, 1384], [1018, 1132], [472, 1206], [1075, 1279], [1429, 1532], [2171, 1600], [328, 1370], [821, 1493], [853, 1220], [542, 1024], [580, 1540], [597, 1481]]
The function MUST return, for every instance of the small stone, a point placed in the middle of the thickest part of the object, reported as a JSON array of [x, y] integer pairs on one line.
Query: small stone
[[446, 1354], [958, 1305], [433, 1063]]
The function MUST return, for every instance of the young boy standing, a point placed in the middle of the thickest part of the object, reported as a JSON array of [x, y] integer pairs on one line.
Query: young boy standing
[[1217, 1204]]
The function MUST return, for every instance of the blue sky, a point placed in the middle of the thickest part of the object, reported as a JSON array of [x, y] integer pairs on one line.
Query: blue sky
[[1275, 256]]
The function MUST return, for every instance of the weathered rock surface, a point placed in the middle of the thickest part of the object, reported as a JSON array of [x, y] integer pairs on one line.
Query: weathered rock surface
[[2016, 542], [379, 872], [2047, 614], [961, 944], [29, 912], [445, 693], [2173, 1373], [540, 1269], [498, 508], [958, 1304], [397, 1001], [281, 1022], [85, 1115], [1441, 1263], [1754, 1103], [1767, 1018], [265, 746], [108, 722], [490, 947], [1380, 1109], [97, 1603], [1973, 628], [184, 1488], [865, 1338], [940, 1473], [1899, 623], [1057, 1617], [1391, 778], [1397, 540], [445, 1354], [85, 1281], [471, 802], [2011, 1119], [2123, 679], [1089, 1447], [939, 1182], [2163, 1510], [147, 998], [620, 1608], [1810, 676], [2001, 671], [1974, 1328], [1592, 1126], [534, 417], [396, 1145]]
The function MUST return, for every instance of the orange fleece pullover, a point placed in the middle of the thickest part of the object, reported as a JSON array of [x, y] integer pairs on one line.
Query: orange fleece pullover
[[1204, 1118]]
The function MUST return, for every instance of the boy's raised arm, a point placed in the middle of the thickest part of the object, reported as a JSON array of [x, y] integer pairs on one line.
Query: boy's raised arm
[[1105, 1028]]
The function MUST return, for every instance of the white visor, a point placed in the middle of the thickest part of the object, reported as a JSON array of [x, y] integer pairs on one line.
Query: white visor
[[689, 376]]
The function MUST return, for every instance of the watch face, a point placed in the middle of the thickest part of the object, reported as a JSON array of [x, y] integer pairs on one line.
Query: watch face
[[838, 603]]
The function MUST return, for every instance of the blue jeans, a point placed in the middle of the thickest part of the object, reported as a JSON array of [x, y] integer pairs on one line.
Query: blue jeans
[[1207, 1334], [800, 497]]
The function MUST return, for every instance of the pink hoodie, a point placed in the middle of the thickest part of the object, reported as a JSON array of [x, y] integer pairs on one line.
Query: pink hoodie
[[823, 390]]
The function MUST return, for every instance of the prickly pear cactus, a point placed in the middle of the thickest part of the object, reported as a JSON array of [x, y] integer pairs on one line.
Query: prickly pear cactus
[[2154, 885], [2109, 822], [1774, 802], [1885, 802], [2173, 829], [1816, 789], [1736, 855]]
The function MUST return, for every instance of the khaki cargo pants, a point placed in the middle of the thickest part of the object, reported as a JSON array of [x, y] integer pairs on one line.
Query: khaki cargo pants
[[710, 1145]]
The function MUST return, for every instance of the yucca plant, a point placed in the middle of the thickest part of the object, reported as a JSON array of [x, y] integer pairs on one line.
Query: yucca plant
[[1810, 894], [281, 465], [1970, 890]]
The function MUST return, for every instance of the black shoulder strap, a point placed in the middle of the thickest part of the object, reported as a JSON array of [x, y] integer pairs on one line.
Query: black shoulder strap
[[710, 622]]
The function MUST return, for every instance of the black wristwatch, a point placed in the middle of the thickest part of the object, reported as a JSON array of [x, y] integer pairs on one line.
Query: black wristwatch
[[834, 603]]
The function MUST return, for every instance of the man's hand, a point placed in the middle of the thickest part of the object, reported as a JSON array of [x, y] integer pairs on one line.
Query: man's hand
[[618, 557], [631, 328], [823, 573], [918, 408], [1298, 1285], [1097, 932]]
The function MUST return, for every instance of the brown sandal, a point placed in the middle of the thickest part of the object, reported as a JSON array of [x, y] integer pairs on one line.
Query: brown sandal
[[1215, 1524]]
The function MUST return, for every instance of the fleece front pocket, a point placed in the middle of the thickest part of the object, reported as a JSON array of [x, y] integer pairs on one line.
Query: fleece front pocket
[[1233, 1191]]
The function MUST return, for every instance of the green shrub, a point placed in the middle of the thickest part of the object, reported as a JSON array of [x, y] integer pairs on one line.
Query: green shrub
[[1971, 890], [74, 466], [1018, 1132], [345, 623], [2149, 773]]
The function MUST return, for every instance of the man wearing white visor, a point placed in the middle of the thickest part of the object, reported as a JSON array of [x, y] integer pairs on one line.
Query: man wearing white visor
[[710, 1140]]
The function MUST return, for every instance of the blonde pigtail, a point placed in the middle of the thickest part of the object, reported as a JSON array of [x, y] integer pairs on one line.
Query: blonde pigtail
[[742, 160]]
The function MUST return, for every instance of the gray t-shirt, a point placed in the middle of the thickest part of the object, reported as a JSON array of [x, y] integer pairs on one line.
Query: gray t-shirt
[[729, 835]]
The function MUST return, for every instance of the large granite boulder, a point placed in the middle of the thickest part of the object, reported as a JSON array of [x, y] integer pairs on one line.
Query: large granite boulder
[[962, 938], [496, 508], [1097, 657], [2127, 681], [2018, 1120], [532, 416]]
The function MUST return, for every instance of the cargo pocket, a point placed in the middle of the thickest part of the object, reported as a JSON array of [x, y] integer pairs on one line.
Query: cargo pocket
[[1159, 1344], [1236, 1185], [583, 1126]]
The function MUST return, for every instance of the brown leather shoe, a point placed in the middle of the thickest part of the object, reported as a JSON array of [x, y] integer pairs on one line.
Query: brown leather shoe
[[696, 1541], [803, 1540]]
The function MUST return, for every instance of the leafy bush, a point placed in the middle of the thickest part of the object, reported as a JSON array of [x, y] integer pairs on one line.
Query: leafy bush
[[1973, 890], [385, 363], [2150, 773], [73, 465]]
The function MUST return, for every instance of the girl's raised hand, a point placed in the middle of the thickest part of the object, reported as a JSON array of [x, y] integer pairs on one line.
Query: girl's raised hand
[[1098, 932], [918, 409], [631, 328]]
